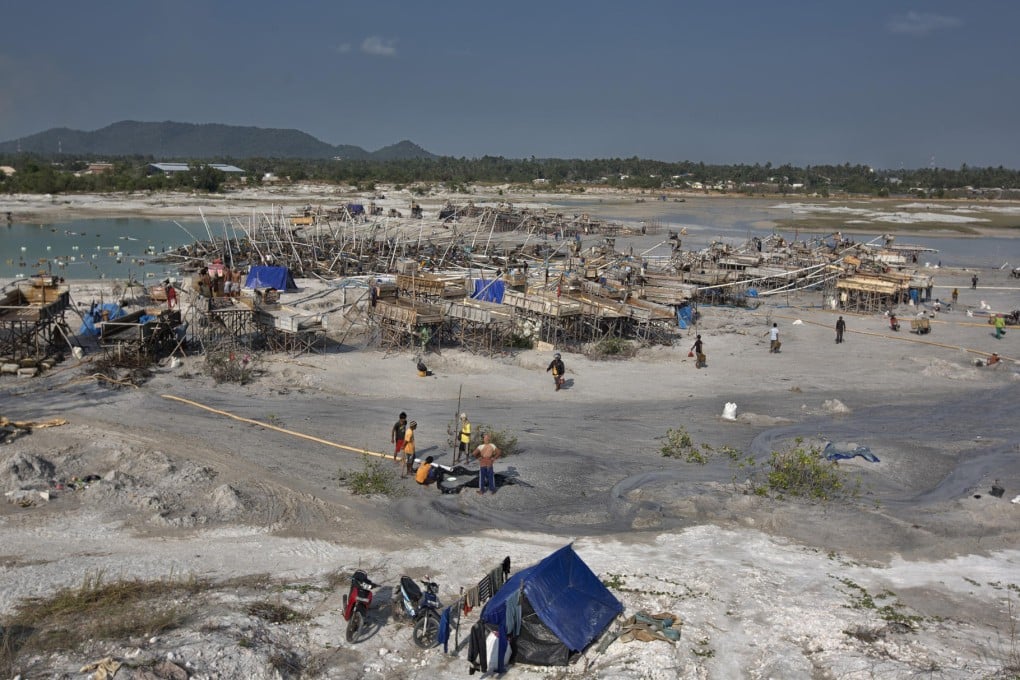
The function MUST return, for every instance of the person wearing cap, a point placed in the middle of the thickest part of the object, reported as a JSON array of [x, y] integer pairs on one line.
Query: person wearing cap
[[464, 438], [558, 369], [397, 436], [409, 448]]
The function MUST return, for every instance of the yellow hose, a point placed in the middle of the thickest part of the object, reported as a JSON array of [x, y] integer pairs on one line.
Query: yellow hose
[[274, 427]]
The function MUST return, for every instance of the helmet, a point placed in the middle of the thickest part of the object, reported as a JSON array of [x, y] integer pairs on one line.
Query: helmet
[[556, 356], [463, 416], [413, 424]]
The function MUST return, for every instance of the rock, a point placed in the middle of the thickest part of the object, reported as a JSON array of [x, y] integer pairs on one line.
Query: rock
[[28, 372], [835, 406], [9, 368]]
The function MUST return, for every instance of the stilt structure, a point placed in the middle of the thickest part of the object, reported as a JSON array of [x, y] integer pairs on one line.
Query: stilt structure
[[32, 318]]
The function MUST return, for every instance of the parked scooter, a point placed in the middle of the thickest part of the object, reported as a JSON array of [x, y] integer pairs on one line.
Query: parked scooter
[[421, 607], [356, 604]]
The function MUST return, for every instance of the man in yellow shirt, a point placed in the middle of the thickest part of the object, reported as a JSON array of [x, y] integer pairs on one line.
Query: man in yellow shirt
[[464, 438]]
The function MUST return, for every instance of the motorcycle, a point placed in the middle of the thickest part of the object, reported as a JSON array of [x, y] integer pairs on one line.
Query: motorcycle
[[893, 323], [356, 604], [420, 606]]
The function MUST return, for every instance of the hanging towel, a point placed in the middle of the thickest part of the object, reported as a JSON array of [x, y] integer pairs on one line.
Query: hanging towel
[[513, 613], [485, 588], [444, 629]]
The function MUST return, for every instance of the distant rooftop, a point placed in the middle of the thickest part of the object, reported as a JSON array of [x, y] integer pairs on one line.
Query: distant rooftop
[[184, 167]]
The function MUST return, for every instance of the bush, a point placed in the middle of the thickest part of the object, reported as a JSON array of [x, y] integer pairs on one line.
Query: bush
[[375, 477], [679, 444], [225, 365], [798, 472], [804, 473], [505, 440], [612, 348]]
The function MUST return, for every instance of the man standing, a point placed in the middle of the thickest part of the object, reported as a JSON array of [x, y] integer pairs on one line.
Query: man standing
[[171, 295], [397, 436], [840, 327], [1000, 326], [558, 369], [486, 453], [973, 281], [409, 448], [464, 438], [774, 339], [699, 351]]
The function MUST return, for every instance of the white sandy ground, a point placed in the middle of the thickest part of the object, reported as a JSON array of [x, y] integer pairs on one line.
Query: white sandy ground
[[765, 589]]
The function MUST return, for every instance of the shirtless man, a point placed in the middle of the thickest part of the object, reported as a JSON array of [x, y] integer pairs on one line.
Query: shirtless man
[[486, 453]]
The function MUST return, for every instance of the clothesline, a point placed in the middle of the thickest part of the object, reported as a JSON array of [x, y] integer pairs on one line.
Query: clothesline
[[470, 598]]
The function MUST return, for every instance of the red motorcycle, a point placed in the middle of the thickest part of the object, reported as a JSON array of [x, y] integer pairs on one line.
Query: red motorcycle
[[356, 604]]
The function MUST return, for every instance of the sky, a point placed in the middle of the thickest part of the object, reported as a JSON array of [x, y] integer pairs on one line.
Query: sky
[[888, 84]]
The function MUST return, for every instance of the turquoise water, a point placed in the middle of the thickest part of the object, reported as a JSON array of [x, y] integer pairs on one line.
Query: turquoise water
[[94, 248]]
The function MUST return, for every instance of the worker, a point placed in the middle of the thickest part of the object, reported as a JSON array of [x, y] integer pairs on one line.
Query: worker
[[558, 369], [463, 438]]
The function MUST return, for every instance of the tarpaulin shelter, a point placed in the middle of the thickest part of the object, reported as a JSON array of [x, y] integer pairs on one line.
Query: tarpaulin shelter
[[489, 290], [553, 609], [264, 276]]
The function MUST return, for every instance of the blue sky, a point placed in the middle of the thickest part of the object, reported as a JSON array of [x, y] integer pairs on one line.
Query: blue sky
[[889, 84]]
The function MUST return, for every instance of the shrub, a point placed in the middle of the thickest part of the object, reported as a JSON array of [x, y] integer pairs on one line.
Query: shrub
[[375, 477], [225, 365], [505, 440], [612, 348], [804, 473], [679, 444]]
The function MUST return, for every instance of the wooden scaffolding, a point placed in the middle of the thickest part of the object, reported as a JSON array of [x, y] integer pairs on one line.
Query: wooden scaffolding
[[32, 318]]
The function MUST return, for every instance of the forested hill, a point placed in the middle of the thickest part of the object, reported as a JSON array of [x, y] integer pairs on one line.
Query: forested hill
[[171, 140]]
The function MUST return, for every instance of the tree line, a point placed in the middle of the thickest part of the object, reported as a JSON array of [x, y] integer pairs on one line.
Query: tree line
[[38, 174]]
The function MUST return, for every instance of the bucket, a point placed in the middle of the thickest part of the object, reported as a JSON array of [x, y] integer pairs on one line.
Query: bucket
[[422, 374]]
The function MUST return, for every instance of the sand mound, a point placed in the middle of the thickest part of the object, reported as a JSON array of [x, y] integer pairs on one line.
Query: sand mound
[[834, 406], [23, 469]]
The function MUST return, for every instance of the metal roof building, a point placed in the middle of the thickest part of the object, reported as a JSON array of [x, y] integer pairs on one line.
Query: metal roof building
[[170, 168]]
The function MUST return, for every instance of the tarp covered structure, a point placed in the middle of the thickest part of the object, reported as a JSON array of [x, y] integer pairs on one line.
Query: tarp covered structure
[[264, 276], [559, 605], [489, 291]]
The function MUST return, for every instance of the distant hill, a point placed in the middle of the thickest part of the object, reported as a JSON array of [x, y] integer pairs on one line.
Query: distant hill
[[209, 140]]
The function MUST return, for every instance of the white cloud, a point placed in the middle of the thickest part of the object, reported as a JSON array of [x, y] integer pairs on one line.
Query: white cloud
[[921, 23], [343, 48], [378, 47]]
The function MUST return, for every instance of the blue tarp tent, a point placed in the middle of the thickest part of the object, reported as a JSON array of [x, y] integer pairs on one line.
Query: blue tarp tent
[[270, 277], [559, 604], [90, 320], [489, 291]]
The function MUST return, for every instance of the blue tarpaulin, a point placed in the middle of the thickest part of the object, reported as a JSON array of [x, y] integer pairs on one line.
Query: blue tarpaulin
[[96, 314], [684, 316], [263, 276], [569, 601], [489, 290]]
